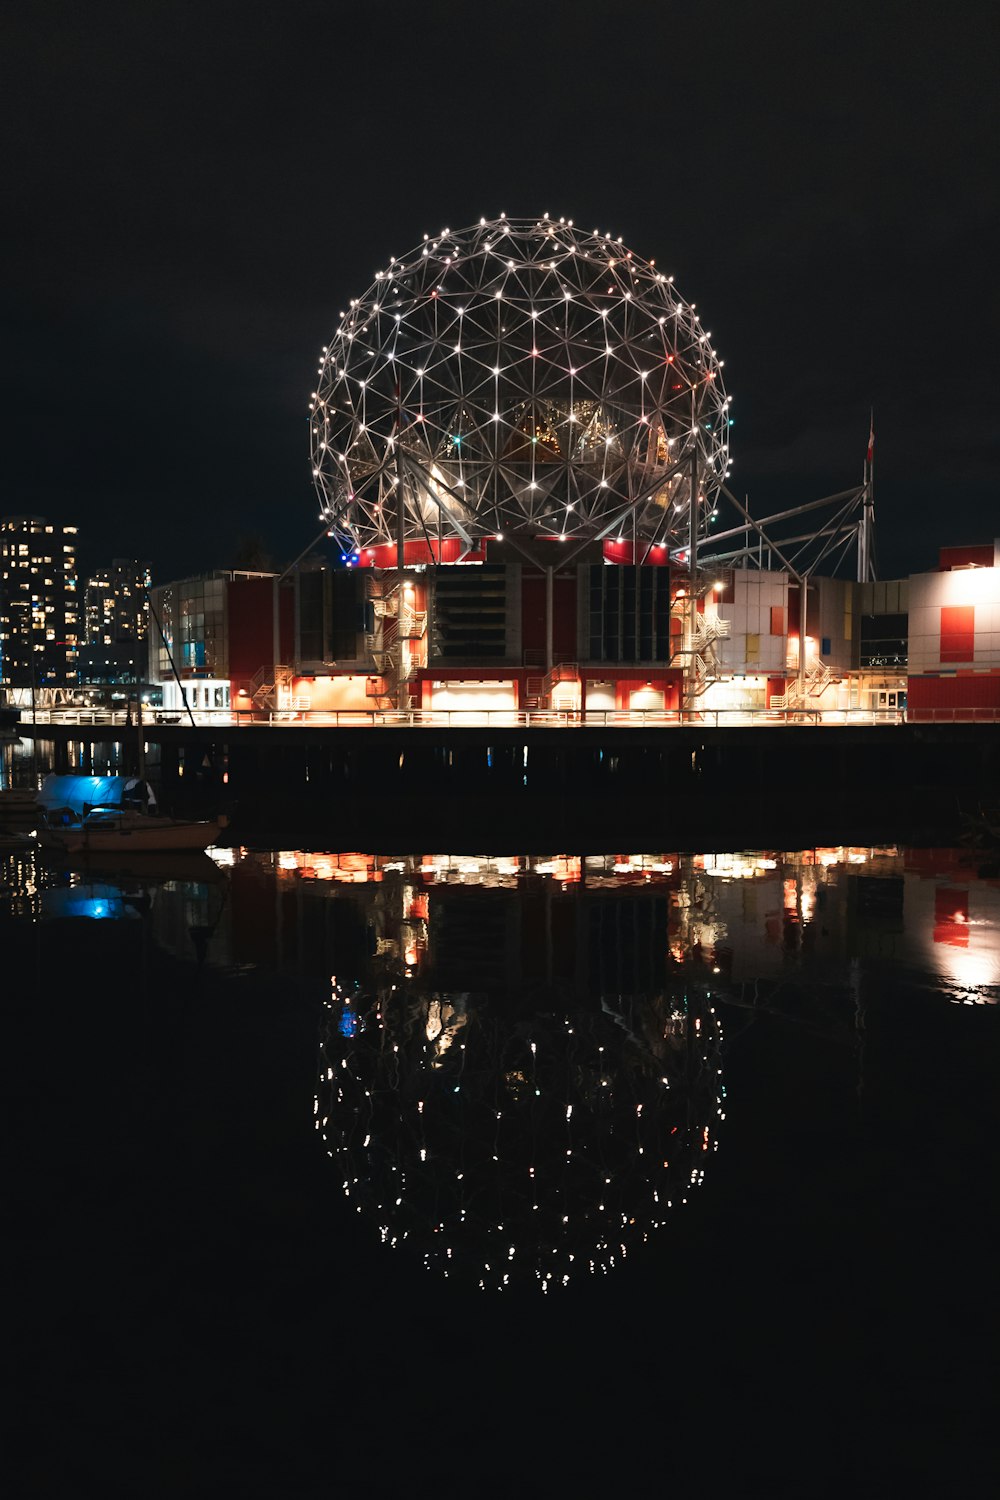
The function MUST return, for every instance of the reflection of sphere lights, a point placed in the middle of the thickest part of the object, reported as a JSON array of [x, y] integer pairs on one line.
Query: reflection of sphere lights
[[507, 1150], [519, 376]]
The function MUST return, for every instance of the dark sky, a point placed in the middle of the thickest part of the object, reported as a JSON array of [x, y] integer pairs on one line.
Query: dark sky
[[195, 190]]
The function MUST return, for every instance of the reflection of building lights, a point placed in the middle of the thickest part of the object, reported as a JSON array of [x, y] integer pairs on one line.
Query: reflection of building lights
[[970, 970], [427, 1146], [344, 869]]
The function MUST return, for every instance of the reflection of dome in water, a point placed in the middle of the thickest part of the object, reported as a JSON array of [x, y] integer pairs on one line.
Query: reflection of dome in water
[[505, 1150], [519, 375]]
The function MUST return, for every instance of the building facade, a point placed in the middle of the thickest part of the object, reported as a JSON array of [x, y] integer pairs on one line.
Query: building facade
[[954, 637], [210, 633], [602, 635], [40, 607], [116, 620]]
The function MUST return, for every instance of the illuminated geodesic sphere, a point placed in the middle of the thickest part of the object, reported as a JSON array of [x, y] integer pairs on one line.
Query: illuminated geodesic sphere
[[501, 1150], [519, 376]]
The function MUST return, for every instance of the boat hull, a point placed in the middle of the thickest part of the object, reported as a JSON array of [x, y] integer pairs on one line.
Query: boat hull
[[130, 840]]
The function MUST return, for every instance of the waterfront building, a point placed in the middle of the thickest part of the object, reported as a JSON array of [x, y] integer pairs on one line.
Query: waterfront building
[[954, 636], [520, 443], [539, 409], [470, 638], [40, 607], [209, 629]]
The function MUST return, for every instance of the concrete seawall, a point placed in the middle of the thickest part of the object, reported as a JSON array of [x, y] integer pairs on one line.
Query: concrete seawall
[[468, 787]]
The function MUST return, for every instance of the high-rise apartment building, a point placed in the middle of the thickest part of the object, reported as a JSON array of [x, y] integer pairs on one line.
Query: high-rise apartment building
[[40, 613], [116, 614], [115, 603]]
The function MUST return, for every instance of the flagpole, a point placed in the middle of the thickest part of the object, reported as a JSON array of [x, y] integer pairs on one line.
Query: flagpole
[[870, 498], [867, 507]]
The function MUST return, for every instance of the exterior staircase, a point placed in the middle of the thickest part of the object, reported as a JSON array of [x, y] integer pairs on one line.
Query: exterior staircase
[[703, 658], [816, 679], [270, 687], [395, 621], [538, 690]]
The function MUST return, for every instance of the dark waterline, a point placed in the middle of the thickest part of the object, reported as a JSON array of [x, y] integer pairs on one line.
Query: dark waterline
[[695, 786], [204, 1311]]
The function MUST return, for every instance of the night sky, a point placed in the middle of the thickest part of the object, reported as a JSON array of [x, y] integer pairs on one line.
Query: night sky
[[195, 190]]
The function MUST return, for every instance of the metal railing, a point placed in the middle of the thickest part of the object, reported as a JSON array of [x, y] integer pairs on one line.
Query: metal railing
[[303, 717], [955, 716]]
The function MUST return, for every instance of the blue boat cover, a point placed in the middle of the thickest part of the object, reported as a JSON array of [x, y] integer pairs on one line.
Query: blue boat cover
[[81, 793]]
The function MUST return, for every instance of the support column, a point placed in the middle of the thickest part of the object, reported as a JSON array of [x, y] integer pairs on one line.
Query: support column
[[693, 520], [401, 689], [297, 622], [276, 628], [803, 624], [549, 588], [690, 613]]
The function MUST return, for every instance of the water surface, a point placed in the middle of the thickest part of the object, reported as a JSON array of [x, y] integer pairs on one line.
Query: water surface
[[703, 1146]]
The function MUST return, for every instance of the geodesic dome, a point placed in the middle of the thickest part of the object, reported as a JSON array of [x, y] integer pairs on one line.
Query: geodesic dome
[[519, 376]]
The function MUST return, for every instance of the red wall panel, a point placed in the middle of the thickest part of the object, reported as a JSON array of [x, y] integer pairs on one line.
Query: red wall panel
[[251, 625], [968, 694], [563, 616], [415, 553], [958, 632], [965, 557], [650, 555]]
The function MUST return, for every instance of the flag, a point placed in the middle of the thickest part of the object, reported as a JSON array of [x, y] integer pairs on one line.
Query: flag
[[871, 441]]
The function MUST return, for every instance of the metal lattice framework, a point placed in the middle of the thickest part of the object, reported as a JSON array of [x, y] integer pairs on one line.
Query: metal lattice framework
[[519, 377]]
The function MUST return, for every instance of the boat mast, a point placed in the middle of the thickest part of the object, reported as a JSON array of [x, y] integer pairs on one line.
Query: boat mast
[[141, 761]]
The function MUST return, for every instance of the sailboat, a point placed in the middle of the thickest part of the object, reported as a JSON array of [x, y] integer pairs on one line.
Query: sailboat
[[115, 815]]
